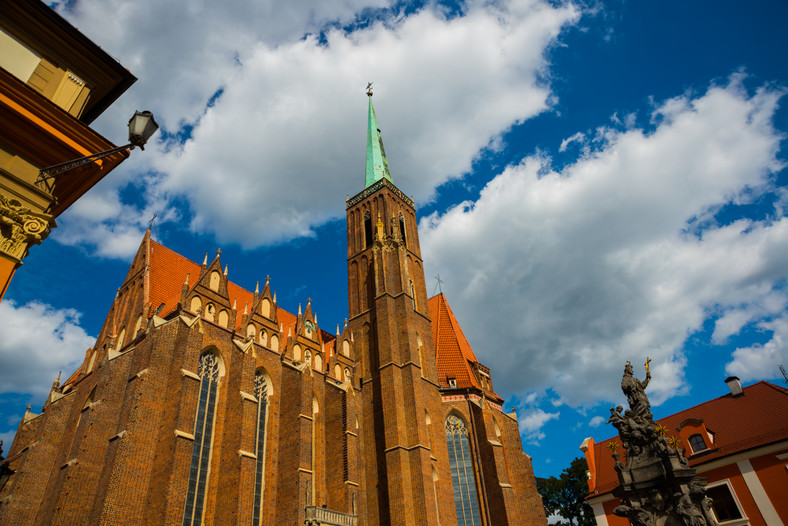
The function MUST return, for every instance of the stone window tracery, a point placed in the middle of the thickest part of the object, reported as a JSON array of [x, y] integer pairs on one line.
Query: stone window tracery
[[463, 478], [208, 371], [261, 393]]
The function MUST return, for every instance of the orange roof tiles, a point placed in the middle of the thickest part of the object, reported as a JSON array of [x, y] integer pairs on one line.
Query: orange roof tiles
[[756, 418], [454, 354]]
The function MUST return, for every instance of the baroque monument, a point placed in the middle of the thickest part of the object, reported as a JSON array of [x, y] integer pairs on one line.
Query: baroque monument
[[656, 484]]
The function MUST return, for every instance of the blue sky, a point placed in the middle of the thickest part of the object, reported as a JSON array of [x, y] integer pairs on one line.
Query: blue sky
[[596, 182]]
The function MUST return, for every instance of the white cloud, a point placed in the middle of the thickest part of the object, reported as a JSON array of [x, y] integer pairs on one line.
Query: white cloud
[[597, 421], [37, 341], [275, 154], [617, 256], [762, 361], [578, 137], [531, 422]]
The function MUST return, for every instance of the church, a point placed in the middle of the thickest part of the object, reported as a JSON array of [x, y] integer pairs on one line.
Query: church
[[205, 403]]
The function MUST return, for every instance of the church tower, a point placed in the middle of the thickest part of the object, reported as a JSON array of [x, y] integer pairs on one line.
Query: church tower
[[405, 455]]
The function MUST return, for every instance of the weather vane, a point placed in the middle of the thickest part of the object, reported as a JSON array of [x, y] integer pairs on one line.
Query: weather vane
[[369, 89]]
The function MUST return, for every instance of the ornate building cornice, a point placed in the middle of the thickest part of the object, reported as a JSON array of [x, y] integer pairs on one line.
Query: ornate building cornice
[[374, 188]]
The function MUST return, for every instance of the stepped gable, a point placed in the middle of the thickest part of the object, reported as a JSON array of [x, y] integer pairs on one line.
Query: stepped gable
[[761, 416], [168, 271], [454, 354]]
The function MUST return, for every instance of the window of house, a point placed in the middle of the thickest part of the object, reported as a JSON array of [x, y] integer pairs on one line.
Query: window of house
[[261, 393], [697, 443], [203, 439], [463, 478], [452, 382], [725, 505]]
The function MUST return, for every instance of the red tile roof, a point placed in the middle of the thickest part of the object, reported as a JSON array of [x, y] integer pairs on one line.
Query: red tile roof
[[756, 418], [454, 354]]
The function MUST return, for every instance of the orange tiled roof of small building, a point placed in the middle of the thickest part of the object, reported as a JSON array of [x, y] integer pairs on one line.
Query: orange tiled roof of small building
[[167, 274], [756, 418], [454, 354]]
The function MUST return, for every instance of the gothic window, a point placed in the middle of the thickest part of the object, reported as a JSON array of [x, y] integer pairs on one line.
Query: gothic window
[[263, 338], [203, 439], [120, 339], [697, 443], [413, 294], [251, 331], [210, 312], [462, 477], [261, 393], [367, 229], [402, 228]]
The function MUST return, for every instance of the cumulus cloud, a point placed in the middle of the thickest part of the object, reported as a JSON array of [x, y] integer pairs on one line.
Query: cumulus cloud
[[762, 360], [531, 422], [37, 341], [282, 140], [597, 421], [619, 256]]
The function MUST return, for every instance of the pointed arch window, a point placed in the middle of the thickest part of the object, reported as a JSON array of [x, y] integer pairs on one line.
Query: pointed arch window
[[367, 229], [261, 393], [402, 229], [462, 476], [208, 371]]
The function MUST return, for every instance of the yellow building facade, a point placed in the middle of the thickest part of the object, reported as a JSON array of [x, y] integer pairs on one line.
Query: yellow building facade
[[53, 83]]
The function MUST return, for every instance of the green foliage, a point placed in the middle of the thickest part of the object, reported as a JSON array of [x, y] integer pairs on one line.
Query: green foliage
[[565, 495]]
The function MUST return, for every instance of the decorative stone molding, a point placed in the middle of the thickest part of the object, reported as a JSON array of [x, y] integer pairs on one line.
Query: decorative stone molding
[[21, 227], [247, 396], [184, 434], [189, 374]]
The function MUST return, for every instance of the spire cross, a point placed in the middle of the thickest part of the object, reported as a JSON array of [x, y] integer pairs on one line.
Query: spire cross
[[218, 251], [438, 284], [369, 89]]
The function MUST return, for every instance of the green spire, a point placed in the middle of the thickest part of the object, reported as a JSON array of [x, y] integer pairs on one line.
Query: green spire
[[377, 165]]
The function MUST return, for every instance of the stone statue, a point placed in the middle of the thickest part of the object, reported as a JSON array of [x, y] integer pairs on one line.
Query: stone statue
[[656, 485]]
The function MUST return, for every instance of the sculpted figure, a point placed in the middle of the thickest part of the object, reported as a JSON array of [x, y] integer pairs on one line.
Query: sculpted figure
[[635, 390], [690, 513]]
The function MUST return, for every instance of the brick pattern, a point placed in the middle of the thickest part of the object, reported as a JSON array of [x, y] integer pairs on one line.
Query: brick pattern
[[361, 434]]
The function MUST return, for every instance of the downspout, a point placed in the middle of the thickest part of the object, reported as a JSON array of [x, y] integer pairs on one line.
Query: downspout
[[478, 458]]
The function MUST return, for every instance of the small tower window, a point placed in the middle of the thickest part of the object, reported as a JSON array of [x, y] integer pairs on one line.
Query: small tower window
[[413, 294], [402, 229], [367, 229], [697, 443]]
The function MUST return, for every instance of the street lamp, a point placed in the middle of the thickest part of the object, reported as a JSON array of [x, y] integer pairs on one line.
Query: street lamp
[[141, 128]]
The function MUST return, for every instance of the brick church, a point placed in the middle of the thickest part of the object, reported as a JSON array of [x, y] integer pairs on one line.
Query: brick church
[[205, 403]]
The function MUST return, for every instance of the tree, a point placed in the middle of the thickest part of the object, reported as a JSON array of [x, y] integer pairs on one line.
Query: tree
[[565, 495]]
